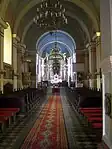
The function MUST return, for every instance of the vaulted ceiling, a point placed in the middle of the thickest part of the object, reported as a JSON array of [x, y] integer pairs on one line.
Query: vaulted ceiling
[[83, 20], [56, 39]]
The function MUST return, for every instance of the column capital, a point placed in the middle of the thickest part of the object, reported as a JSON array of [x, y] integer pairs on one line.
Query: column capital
[[97, 39], [21, 48], [106, 64], [96, 36], [3, 24], [22, 45], [16, 38], [91, 45]]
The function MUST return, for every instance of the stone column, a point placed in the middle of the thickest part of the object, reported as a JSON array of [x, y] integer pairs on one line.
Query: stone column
[[43, 70], [39, 73], [20, 65], [15, 69], [106, 65], [92, 63], [86, 66], [3, 26], [25, 60], [24, 65], [97, 40], [22, 48], [71, 69], [86, 63]]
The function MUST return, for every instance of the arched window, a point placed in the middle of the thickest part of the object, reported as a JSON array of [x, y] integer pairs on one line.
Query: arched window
[[8, 45]]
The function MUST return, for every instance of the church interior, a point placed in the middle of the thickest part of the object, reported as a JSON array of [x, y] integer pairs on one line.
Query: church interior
[[55, 74]]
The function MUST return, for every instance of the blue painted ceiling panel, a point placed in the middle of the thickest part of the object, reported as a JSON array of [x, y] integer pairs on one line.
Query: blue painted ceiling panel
[[64, 42]]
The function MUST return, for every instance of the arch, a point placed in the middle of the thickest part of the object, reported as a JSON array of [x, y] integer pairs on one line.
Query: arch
[[83, 26], [60, 31], [80, 4], [62, 37], [3, 7], [69, 49], [8, 45]]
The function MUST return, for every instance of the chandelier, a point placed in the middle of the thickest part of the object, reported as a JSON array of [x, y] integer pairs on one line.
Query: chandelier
[[51, 13]]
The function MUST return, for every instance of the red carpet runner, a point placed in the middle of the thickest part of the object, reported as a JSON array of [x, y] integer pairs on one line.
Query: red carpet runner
[[48, 131]]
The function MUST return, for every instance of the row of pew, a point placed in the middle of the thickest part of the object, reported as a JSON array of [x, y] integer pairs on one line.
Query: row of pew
[[88, 103], [18, 103]]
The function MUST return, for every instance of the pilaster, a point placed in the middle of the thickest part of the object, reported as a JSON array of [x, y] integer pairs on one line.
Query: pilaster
[[97, 40], [15, 69], [86, 66], [91, 47], [86, 61], [21, 63]]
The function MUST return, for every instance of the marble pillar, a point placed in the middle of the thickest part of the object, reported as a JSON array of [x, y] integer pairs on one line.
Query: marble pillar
[[3, 26], [106, 66]]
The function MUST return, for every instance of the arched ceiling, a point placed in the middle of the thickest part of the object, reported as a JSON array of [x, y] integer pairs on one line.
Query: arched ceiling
[[74, 32], [83, 19], [63, 41]]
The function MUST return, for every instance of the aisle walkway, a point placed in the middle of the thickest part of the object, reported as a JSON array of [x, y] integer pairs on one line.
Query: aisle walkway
[[52, 124], [48, 131], [59, 127], [79, 136]]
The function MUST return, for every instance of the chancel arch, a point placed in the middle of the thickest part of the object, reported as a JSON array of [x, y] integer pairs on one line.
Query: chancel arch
[[58, 36], [55, 56]]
